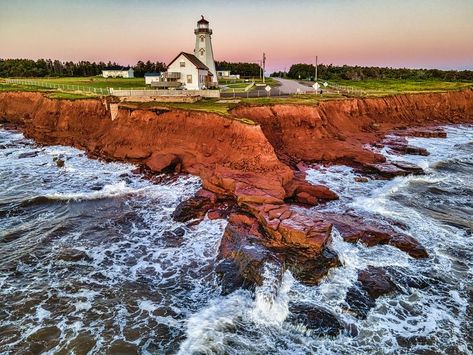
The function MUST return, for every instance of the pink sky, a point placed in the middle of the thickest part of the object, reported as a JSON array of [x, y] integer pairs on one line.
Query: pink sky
[[416, 33]]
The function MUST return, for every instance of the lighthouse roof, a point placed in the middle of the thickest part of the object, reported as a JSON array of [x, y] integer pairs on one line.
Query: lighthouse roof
[[203, 20]]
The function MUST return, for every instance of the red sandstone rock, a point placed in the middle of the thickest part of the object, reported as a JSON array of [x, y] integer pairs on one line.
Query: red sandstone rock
[[386, 170], [304, 192], [408, 149], [164, 163], [306, 198], [354, 229], [424, 132]]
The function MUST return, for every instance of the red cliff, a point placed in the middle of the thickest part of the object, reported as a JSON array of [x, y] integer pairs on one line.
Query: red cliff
[[246, 162]]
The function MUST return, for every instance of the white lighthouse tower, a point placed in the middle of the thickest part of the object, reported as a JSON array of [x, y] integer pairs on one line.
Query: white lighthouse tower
[[203, 47]]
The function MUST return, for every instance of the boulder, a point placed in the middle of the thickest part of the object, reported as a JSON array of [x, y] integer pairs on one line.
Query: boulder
[[310, 270], [358, 302], [242, 255], [376, 282], [73, 255], [165, 163], [194, 208], [318, 320], [385, 170], [410, 167], [408, 149], [301, 190], [355, 229], [423, 132]]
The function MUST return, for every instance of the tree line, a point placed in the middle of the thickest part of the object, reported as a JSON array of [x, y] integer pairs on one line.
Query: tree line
[[346, 72], [244, 69], [56, 68]]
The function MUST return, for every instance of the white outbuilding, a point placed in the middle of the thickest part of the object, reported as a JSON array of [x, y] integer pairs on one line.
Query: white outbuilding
[[152, 77], [118, 72]]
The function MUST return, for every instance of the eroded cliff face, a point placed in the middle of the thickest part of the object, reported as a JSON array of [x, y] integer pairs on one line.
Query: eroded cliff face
[[336, 131], [246, 167], [231, 157]]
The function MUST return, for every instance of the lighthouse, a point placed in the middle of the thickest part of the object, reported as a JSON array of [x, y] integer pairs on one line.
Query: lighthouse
[[203, 47]]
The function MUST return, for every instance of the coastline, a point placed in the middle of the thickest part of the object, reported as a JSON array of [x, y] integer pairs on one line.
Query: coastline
[[258, 167]]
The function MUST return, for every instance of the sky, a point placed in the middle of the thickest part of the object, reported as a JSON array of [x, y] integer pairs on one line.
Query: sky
[[396, 33]]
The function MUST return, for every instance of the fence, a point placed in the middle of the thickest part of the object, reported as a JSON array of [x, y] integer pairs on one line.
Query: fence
[[151, 93], [349, 90], [65, 87]]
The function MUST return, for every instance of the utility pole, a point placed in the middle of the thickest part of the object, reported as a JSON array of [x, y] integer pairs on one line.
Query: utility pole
[[264, 65], [316, 64], [260, 69]]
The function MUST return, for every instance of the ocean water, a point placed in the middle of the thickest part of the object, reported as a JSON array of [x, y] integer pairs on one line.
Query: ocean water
[[92, 263]]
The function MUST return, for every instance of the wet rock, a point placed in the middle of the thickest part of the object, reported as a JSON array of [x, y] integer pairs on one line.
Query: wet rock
[[230, 277], [302, 191], [404, 278], [358, 302], [408, 149], [310, 270], [361, 179], [243, 256], [194, 208], [207, 194], [320, 321], [410, 167], [293, 229], [424, 133], [216, 214], [355, 229], [73, 255], [28, 155], [409, 245], [385, 170], [376, 282], [59, 162]]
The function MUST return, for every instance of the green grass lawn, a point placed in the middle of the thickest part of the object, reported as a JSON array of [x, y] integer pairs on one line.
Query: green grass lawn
[[372, 87], [13, 87], [98, 82]]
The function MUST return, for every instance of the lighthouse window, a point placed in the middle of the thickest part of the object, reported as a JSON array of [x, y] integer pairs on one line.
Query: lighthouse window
[[201, 38], [183, 64], [202, 50]]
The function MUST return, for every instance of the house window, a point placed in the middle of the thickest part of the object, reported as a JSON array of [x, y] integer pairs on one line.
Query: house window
[[183, 64], [189, 79]]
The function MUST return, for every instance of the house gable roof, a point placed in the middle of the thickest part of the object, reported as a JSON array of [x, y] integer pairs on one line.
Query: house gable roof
[[193, 59]]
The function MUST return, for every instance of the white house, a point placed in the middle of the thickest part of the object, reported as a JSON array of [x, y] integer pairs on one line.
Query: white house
[[152, 77], [118, 72], [189, 71]]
